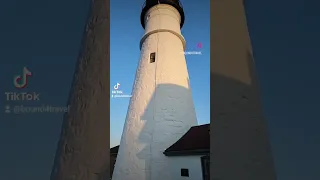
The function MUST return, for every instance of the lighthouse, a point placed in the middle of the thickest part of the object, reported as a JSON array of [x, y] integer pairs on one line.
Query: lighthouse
[[161, 108]]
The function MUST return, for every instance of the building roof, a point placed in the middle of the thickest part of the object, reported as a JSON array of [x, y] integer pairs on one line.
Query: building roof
[[195, 142], [114, 150]]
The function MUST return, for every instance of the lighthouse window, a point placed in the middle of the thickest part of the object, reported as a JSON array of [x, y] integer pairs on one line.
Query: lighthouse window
[[185, 172], [152, 57]]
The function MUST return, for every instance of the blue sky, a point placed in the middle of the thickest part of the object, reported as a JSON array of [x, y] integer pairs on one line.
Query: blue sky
[[125, 33]]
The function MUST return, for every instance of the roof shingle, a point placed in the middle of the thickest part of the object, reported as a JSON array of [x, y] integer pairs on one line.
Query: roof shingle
[[196, 140]]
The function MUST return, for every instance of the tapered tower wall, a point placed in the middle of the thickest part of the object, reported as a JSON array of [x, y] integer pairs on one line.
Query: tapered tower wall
[[83, 151], [161, 108], [240, 148]]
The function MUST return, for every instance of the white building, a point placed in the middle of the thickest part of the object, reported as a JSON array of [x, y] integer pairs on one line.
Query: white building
[[189, 156]]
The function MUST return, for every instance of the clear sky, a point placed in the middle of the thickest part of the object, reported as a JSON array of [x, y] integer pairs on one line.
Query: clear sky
[[126, 32], [46, 36]]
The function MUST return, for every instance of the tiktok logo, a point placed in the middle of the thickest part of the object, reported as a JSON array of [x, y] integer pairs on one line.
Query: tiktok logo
[[21, 81], [116, 93], [117, 86]]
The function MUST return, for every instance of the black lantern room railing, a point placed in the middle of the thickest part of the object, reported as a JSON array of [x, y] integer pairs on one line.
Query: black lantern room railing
[[150, 3]]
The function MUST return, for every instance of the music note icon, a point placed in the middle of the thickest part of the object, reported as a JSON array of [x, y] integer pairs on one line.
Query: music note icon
[[21, 81], [117, 86]]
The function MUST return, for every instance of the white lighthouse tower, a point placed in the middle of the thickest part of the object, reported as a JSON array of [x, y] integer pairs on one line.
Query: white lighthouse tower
[[161, 108]]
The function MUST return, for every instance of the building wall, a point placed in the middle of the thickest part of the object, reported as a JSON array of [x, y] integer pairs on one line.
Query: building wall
[[193, 163]]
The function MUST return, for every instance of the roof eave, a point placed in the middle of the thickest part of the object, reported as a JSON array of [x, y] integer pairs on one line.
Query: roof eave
[[187, 152]]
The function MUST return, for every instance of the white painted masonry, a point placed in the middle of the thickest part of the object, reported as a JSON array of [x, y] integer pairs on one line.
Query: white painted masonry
[[192, 163], [161, 108]]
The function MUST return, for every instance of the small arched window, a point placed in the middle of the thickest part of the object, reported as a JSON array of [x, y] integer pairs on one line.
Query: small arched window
[[152, 57]]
